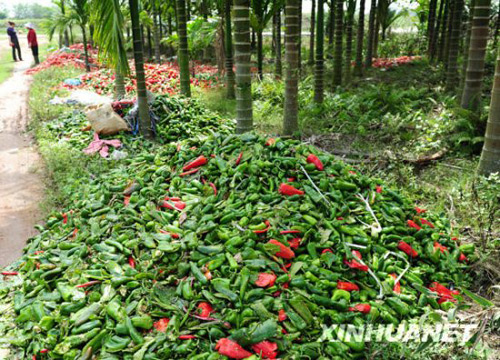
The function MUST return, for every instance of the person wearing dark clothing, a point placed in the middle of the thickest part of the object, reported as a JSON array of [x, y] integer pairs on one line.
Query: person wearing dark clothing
[[14, 41], [32, 42]]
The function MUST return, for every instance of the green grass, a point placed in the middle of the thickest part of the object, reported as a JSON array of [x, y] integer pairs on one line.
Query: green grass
[[6, 63]]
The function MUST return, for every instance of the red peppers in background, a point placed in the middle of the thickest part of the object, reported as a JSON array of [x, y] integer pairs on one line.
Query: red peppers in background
[[231, 349], [289, 190], [313, 159], [413, 224], [266, 280], [407, 249], [347, 286], [284, 252], [199, 161]]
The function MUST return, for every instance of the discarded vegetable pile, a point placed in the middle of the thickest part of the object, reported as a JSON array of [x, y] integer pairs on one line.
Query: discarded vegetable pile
[[236, 245], [389, 63], [160, 79], [73, 55]]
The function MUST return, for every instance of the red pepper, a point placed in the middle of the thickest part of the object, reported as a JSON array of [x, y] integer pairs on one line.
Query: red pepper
[[355, 264], [413, 224], [270, 142], [88, 284], [126, 200], [419, 210], [44, 351], [161, 325], [172, 198], [189, 172], [340, 218], [173, 235], [284, 252], [454, 238], [406, 248], [33, 357], [326, 251], [445, 293], [378, 189], [186, 337], [65, 218], [294, 243], [282, 315], [289, 190], [38, 252], [231, 349], [177, 205], [266, 349], [352, 172], [131, 262], [441, 248], [265, 280], [268, 224], [313, 159], [9, 273], [463, 258], [284, 232], [362, 308], [74, 233], [397, 286], [212, 185], [199, 161], [425, 222], [347, 286], [238, 160], [290, 179], [205, 309]]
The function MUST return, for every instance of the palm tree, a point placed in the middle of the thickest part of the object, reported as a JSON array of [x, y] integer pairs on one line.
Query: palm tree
[[80, 16], [431, 24], [183, 53], [292, 33], [442, 40], [477, 50], [358, 67], [277, 47], [62, 8], [311, 37], [452, 77], [142, 97], [465, 55], [319, 68], [262, 12], [490, 156], [371, 34], [229, 50], [351, 8], [448, 31], [337, 57], [242, 49], [434, 42]]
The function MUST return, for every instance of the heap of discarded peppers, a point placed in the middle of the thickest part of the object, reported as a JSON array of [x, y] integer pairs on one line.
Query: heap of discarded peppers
[[232, 247]]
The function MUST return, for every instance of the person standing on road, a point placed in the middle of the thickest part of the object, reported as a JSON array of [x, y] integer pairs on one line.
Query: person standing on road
[[32, 42], [14, 41]]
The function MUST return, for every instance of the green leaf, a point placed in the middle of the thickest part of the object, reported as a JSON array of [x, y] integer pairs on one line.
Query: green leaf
[[478, 299]]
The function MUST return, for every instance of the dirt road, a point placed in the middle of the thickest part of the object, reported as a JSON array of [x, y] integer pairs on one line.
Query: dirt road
[[20, 176]]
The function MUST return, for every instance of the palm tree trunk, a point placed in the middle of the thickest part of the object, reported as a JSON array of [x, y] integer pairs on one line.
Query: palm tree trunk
[[292, 34], [319, 80], [452, 77], [260, 54], [465, 55], [490, 156], [156, 34], [348, 41], [183, 53], [358, 67], [337, 56], [331, 25], [497, 28], [142, 97], [242, 55], [430, 24], [311, 37], [300, 35], [471, 98], [229, 50], [66, 36], [150, 44], [91, 39], [72, 40], [119, 85], [371, 34], [85, 50], [436, 31], [442, 41], [449, 28], [277, 54], [376, 30]]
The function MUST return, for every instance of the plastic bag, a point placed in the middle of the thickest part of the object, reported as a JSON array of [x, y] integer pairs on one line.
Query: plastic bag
[[104, 120]]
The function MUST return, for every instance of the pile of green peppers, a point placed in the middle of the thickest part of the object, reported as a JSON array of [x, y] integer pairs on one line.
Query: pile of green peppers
[[121, 273]]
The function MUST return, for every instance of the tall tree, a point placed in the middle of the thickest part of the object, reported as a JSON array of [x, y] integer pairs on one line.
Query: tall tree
[[490, 156], [331, 25], [465, 55], [351, 8], [142, 96], [452, 76], [319, 80], [449, 30], [431, 22], [156, 30], [358, 67], [444, 27], [80, 15], [262, 12], [311, 37], [242, 48], [337, 56], [292, 33], [277, 44], [371, 34], [471, 97], [437, 28], [183, 53], [229, 50]]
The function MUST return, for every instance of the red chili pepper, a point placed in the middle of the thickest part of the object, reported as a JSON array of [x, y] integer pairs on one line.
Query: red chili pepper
[[284, 252], [282, 315], [238, 160], [199, 161], [445, 293], [340, 218], [347, 286], [65, 218], [44, 351], [88, 284], [413, 224], [268, 224], [270, 142], [33, 357], [186, 337], [463, 258], [9, 273], [419, 210], [425, 222], [355, 264], [231, 349], [74, 233], [38, 252], [313, 159], [378, 189], [352, 172], [177, 205], [131, 262], [294, 243], [406, 248], [289, 190], [205, 309], [290, 179], [397, 286], [173, 235], [454, 238], [161, 325], [172, 198], [326, 251], [126, 200], [192, 171], [284, 232], [266, 349], [362, 308], [266, 280], [441, 248], [212, 185]]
